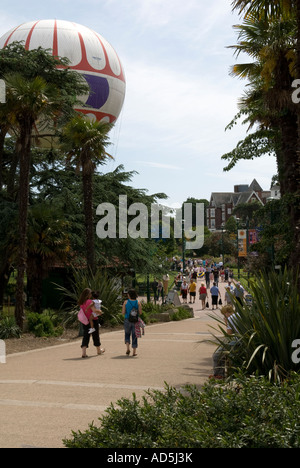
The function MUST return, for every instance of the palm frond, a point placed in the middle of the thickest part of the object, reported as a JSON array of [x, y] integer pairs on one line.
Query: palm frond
[[110, 292], [267, 328]]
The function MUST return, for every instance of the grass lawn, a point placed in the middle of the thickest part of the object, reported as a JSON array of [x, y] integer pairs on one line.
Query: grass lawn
[[243, 277]]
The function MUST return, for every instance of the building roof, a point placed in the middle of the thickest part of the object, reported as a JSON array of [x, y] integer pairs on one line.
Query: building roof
[[218, 199], [255, 186]]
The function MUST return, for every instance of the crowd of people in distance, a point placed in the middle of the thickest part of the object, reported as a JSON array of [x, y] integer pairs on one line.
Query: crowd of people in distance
[[210, 275]]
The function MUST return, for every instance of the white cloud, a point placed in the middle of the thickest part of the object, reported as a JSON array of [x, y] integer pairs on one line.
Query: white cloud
[[171, 108], [159, 165]]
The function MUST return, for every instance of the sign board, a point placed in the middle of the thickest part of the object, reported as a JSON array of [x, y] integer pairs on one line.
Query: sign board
[[253, 238], [2, 92], [242, 242], [172, 298]]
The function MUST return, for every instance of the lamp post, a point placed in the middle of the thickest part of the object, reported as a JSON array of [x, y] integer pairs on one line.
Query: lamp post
[[237, 243], [183, 247], [223, 230], [247, 246], [271, 199], [148, 288]]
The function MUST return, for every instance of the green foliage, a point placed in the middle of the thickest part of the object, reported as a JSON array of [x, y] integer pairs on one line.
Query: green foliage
[[39, 62], [63, 189], [248, 413], [42, 325], [253, 146], [271, 42], [276, 236], [109, 290], [267, 328], [8, 328], [150, 308], [117, 319], [180, 314]]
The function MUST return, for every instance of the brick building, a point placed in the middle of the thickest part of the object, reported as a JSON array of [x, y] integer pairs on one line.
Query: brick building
[[222, 204]]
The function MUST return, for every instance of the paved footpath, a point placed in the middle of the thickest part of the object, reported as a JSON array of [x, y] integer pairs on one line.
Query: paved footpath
[[47, 393]]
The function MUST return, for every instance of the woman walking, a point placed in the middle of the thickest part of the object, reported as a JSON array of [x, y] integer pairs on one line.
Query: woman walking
[[215, 293], [131, 310], [184, 290], [202, 295], [87, 305]]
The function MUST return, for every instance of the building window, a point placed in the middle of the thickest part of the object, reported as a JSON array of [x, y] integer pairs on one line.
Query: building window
[[212, 213]]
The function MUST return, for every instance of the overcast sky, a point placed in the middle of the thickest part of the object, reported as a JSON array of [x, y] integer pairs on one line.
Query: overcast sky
[[179, 95]]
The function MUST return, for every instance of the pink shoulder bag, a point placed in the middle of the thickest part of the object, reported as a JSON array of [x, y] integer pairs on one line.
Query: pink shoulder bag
[[82, 317]]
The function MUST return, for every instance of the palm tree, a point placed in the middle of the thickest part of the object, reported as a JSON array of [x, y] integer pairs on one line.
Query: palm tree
[[267, 99], [85, 142], [264, 7], [41, 90], [274, 9], [29, 100], [286, 67]]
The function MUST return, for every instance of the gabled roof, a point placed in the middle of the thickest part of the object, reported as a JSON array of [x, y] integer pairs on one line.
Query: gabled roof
[[255, 186], [246, 196], [220, 198]]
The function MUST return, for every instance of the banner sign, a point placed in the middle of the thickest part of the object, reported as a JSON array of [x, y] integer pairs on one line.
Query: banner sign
[[242, 242], [253, 238]]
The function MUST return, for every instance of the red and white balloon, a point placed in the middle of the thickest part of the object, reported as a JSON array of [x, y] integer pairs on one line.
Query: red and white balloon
[[89, 54]]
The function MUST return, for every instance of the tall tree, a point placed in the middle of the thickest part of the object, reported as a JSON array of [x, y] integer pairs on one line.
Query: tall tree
[[279, 65], [86, 142], [29, 100], [267, 101], [39, 94]]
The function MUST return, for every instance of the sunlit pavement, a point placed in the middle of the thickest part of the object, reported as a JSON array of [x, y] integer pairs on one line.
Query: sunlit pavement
[[47, 393]]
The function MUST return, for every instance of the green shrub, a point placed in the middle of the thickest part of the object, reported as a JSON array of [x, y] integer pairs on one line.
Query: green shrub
[[181, 314], [118, 319], [110, 292], [8, 328], [267, 328], [54, 316], [152, 308], [248, 413], [42, 325]]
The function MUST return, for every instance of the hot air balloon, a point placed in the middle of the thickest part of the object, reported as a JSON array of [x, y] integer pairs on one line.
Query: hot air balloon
[[89, 54]]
